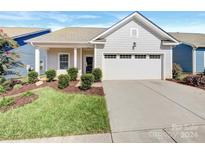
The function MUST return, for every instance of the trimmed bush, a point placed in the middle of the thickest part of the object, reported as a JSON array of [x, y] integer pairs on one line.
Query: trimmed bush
[[63, 81], [73, 73], [177, 71], [2, 80], [32, 77], [2, 89], [50, 74], [86, 81], [97, 73], [6, 101]]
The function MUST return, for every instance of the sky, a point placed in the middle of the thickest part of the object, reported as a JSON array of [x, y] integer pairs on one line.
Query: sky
[[169, 21]]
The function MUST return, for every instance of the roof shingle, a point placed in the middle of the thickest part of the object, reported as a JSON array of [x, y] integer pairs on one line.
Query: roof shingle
[[194, 39], [69, 35], [19, 31]]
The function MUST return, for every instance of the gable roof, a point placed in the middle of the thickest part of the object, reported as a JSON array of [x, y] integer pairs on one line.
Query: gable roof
[[16, 32], [193, 39], [69, 35], [136, 15]]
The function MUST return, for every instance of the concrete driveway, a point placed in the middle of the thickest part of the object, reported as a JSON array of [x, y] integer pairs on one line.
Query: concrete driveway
[[155, 111]]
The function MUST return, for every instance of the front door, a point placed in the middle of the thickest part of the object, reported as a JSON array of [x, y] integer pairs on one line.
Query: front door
[[89, 64]]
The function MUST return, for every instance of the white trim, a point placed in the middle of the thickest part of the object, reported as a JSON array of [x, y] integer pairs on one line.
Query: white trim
[[84, 65], [63, 53], [94, 60], [162, 55], [126, 19], [194, 60], [37, 60]]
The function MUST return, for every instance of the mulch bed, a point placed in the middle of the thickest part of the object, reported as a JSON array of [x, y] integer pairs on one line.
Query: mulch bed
[[19, 101], [181, 82], [70, 89]]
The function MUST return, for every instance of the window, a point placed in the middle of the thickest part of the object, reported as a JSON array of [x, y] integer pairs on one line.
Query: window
[[133, 32], [125, 56], [154, 56], [140, 56], [110, 56], [63, 61]]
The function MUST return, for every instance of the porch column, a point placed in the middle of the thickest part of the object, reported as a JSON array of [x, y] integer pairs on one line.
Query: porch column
[[81, 62], [194, 60], [95, 64], [75, 57], [37, 60]]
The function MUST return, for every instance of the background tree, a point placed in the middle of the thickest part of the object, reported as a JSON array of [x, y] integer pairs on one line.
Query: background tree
[[8, 59]]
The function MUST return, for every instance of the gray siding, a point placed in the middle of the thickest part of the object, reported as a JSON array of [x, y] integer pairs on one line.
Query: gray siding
[[121, 41]]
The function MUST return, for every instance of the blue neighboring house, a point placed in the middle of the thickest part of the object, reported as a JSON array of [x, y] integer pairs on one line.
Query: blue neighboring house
[[190, 54], [26, 51]]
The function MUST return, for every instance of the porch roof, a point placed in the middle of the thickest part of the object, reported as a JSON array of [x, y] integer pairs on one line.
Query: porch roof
[[194, 39], [69, 35]]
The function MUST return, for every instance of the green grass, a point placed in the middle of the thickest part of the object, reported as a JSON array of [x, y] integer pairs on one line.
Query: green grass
[[55, 114]]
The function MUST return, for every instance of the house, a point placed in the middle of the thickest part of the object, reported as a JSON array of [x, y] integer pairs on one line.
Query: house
[[25, 51], [134, 48], [190, 54]]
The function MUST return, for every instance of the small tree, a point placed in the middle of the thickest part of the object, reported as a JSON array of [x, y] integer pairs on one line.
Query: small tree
[[8, 60]]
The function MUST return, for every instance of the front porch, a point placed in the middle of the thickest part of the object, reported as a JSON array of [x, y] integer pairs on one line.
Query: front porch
[[61, 59]]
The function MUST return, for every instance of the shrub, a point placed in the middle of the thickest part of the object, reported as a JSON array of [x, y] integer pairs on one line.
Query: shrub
[[17, 86], [50, 74], [86, 81], [2, 80], [73, 73], [2, 89], [177, 71], [204, 72], [32, 77], [63, 81], [6, 101], [97, 73], [194, 80]]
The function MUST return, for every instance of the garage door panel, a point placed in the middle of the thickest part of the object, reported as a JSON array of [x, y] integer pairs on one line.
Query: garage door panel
[[132, 69]]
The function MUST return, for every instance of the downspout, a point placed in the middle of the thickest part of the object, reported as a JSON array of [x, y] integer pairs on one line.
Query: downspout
[[194, 60]]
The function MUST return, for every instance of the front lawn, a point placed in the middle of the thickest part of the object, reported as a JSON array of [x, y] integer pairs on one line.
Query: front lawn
[[55, 114]]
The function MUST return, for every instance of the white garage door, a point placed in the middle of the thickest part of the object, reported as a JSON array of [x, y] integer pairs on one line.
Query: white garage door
[[132, 67]]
